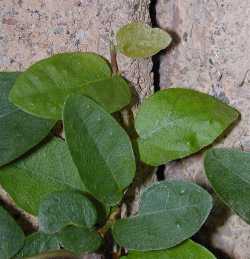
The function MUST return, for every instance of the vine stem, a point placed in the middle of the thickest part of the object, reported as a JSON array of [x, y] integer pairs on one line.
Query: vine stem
[[113, 58]]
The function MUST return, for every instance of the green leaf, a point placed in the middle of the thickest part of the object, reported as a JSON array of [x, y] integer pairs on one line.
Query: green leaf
[[79, 239], [43, 88], [111, 93], [19, 131], [61, 209], [50, 168], [139, 40], [170, 212], [187, 250], [178, 122], [11, 236], [228, 171], [38, 243], [100, 149]]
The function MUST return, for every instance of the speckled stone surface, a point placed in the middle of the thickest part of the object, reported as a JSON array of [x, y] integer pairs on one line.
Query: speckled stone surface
[[32, 30], [211, 54]]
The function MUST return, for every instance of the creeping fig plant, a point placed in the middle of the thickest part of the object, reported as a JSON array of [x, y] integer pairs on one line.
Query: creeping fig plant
[[76, 186]]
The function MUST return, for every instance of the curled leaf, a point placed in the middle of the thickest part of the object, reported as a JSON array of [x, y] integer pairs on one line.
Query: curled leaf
[[139, 40]]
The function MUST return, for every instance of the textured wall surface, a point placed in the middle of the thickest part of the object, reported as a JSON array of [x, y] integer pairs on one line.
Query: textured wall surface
[[32, 30], [211, 54]]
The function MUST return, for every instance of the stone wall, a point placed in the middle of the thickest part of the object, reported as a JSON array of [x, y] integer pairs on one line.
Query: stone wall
[[209, 53]]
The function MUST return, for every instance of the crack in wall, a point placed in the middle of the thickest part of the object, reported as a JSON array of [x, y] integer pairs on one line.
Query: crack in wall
[[156, 59]]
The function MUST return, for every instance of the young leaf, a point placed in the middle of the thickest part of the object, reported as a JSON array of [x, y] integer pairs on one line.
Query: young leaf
[[170, 212], [175, 123], [228, 171], [43, 88], [139, 40], [79, 239], [19, 131], [61, 209], [186, 250], [100, 149], [38, 243], [50, 168], [11, 235]]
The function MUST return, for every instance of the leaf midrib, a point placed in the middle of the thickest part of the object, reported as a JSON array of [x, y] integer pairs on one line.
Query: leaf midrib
[[232, 172], [198, 205], [100, 153]]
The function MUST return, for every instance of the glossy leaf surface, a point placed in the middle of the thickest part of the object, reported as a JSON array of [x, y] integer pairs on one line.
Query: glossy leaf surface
[[61, 209], [43, 88], [48, 169], [11, 236], [19, 131], [186, 250], [79, 239], [178, 122], [169, 213], [38, 243], [100, 149], [139, 40], [228, 171]]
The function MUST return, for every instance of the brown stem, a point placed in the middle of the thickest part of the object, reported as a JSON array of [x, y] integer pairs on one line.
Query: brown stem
[[113, 57], [111, 220]]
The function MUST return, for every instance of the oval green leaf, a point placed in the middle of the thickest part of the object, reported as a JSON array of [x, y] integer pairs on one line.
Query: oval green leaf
[[19, 131], [38, 243], [79, 240], [43, 88], [48, 169], [11, 236], [170, 212], [228, 171], [61, 209], [177, 122], [187, 250], [139, 40], [100, 149]]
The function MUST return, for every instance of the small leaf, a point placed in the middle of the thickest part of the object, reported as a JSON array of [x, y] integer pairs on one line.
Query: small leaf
[[139, 40], [43, 88], [100, 149], [38, 243], [50, 168], [79, 239], [170, 212], [11, 236], [228, 171], [187, 250], [19, 131], [178, 122], [61, 209]]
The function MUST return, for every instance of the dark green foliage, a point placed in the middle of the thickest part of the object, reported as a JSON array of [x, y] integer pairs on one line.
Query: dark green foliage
[[19, 131]]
